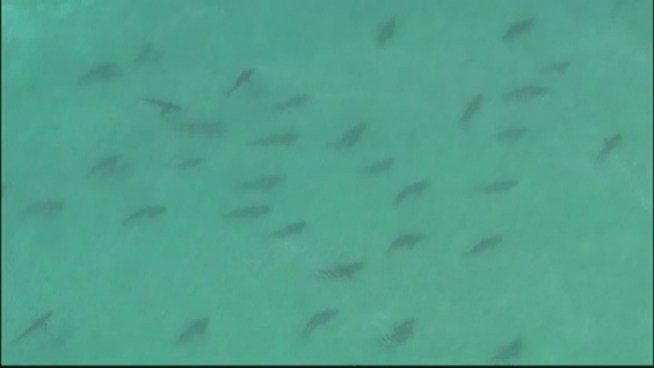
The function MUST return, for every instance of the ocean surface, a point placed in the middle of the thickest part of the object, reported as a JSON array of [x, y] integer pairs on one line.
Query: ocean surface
[[327, 182]]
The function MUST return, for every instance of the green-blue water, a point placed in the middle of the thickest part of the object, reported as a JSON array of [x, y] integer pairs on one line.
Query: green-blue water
[[510, 140]]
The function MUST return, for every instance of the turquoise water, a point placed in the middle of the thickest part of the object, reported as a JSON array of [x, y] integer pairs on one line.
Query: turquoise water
[[497, 191]]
